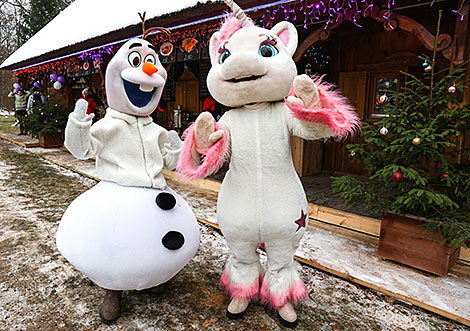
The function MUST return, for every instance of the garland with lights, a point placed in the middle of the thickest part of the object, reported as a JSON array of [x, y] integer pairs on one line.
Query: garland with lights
[[97, 54], [331, 10]]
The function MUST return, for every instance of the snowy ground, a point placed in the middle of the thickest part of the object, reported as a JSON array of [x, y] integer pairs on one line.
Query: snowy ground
[[41, 290]]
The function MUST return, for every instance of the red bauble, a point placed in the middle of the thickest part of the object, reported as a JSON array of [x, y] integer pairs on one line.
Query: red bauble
[[397, 176]]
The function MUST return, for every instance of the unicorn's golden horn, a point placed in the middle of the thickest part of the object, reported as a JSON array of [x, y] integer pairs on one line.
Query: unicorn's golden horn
[[239, 14]]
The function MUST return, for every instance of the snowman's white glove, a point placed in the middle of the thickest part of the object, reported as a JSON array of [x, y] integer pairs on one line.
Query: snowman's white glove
[[204, 132], [306, 93], [175, 143], [79, 113]]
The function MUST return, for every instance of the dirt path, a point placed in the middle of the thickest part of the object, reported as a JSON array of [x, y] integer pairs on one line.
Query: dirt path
[[41, 290]]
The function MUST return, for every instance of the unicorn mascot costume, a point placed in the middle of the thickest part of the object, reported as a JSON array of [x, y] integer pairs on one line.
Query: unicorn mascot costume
[[261, 199], [130, 231]]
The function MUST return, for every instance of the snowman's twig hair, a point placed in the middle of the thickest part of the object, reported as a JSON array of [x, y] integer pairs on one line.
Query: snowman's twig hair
[[146, 32]]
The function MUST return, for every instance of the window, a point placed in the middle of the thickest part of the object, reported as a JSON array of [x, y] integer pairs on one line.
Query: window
[[382, 87]]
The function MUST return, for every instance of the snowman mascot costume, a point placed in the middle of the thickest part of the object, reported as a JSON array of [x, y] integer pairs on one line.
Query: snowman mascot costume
[[261, 199], [130, 231]]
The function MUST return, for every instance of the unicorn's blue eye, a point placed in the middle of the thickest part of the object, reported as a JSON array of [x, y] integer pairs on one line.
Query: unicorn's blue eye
[[267, 50], [224, 56]]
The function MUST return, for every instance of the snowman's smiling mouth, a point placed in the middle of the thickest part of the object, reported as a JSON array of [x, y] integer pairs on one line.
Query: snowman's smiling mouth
[[135, 94]]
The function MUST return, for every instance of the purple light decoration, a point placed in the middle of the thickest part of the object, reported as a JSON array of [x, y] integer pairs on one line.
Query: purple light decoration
[[459, 11], [96, 54], [334, 10]]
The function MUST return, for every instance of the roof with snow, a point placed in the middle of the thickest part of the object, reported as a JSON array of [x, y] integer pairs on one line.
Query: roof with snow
[[87, 19]]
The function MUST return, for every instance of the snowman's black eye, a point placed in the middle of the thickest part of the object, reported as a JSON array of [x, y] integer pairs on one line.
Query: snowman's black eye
[[165, 201], [150, 58], [134, 59]]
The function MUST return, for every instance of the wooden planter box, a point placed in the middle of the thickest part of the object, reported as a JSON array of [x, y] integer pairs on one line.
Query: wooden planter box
[[48, 139], [403, 240]]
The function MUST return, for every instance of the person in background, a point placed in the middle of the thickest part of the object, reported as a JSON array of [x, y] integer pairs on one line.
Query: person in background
[[212, 106], [161, 107], [94, 100], [91, 102], [35, 99], [21, 100]]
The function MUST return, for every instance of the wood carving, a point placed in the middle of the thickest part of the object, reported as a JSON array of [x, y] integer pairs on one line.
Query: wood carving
[[461, 34], [407, 24], [318, 34], [394, 22]]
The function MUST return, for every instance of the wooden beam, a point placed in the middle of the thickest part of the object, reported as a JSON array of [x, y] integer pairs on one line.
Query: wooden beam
[[381, 289], [352, 222], [320, 266]]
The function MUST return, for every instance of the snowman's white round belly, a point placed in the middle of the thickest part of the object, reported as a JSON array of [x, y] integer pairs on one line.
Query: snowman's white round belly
[[113, 234]]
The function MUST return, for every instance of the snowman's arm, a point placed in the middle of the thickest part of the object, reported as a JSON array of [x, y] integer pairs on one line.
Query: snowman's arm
[[170, 147], [194, 165], [326, 114], [81, 140]]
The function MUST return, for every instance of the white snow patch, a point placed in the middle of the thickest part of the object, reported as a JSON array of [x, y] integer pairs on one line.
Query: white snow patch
[[86, 19]]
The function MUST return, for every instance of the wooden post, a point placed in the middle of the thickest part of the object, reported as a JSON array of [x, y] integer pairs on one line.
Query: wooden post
[[460, 54]]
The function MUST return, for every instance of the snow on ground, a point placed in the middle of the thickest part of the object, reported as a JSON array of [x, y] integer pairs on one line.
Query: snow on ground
[[40, 289]]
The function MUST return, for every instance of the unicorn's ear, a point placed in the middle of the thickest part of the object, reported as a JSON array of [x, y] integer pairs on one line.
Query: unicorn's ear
[[214, 48], [287, 32]]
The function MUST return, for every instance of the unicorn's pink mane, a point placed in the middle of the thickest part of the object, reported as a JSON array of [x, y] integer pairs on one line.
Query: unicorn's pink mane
[[229, 27]]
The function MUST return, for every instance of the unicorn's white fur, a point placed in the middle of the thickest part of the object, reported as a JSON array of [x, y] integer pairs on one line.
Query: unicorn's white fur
[[261, 199], [275, 74]]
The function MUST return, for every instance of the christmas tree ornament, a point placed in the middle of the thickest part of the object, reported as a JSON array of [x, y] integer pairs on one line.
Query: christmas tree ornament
[[352, 153], [384, 131], [428, 68], [397, 176], [452, 89], [445, 176], [383, 98], [416, 141], [425, 64]]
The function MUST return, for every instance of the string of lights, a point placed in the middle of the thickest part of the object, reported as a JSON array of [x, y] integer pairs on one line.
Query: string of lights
[[331, 11]]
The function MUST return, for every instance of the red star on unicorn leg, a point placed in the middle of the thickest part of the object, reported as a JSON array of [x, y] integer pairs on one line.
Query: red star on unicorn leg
[[301, 221]]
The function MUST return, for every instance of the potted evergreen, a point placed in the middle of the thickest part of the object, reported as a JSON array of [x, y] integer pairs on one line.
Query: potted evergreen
[[48, 122], [419, 170]]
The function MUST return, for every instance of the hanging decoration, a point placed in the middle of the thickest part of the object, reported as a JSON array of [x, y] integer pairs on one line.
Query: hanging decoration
[[330, 10], [310, 11], [384, 131], [97, 54], [43, 70], [397, 176], [452, 89], [416, 141]]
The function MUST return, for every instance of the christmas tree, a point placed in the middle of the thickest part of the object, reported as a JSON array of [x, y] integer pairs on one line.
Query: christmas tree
[[415, 154], [47, 118]]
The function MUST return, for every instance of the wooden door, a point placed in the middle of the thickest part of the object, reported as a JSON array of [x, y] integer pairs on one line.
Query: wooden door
[[187, 92], [192, 96], [353, 85]]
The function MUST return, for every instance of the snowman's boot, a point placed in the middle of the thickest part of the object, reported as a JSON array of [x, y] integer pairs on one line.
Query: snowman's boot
[[158, 290], [110, 308]]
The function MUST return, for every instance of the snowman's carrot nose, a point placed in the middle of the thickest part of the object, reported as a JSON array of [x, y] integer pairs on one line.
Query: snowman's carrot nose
[[149, 68]]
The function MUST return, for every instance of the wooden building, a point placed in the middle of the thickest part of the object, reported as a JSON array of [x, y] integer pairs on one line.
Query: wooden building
[[359, 51]]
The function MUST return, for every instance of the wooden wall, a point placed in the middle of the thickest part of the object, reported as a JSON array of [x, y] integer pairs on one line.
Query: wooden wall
[[357, 55]]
